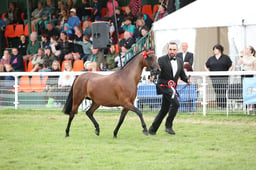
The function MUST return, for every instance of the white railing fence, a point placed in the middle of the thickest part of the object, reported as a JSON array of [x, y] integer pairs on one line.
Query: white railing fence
[[205, 94]]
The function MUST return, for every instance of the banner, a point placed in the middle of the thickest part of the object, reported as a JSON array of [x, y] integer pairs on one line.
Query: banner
[[249, 90]]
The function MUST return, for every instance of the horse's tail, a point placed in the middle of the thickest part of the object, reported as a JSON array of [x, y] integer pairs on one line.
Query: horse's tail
[[69, 102]]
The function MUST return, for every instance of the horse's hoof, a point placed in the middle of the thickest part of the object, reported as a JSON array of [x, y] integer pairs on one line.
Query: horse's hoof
[[97, 132], [145, 132], [67, 135], [114, 136]]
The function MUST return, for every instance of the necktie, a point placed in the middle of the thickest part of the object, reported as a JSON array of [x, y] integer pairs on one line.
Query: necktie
[[172, 58]]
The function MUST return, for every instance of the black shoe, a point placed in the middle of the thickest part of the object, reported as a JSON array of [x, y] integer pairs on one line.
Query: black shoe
[[170, 131]]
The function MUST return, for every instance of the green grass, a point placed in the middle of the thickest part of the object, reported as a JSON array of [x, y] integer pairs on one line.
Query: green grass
[[35, 140]]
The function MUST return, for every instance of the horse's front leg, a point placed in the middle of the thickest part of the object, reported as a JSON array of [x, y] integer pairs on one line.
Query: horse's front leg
[[121, 119], [89, 113], [71, 116], [143, 124]]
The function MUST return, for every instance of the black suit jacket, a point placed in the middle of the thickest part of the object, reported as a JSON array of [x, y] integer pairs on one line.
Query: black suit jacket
[[167, 74], [188, 58]]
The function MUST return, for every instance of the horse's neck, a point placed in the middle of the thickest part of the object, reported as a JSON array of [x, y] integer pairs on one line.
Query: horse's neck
[[134, 69]]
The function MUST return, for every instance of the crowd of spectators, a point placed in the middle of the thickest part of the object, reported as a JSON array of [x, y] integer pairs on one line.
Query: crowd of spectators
[[65, 32]]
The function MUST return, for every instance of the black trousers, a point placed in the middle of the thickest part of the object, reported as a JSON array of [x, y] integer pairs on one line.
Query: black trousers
[[168, 105], [220, 85]]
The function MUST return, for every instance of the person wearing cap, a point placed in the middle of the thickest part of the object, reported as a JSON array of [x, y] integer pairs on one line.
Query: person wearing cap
[[73, 20]]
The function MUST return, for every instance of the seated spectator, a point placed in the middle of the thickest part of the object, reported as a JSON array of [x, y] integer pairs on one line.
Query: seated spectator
[[64, 46], [95, 61], [5, 60], [127, 25], [128, 40], [32, 48], [63, 18], [121, 63], [139, 24], [51, 84], [13, 15], [147, 20], [144, 30], [16, 65], [36, 15], [87, 30], [162, 12], [73, 20], [64, 83], [86, 45], [54, 46], [51, 30], [47, 60], [59, 9], [48, 10], [22, 45], [45, 40], [110, 58], [66, 28], [84, 11], [128, 13], [38, 60], [119, 18], [70, 5], [96, 16], [77, 51]]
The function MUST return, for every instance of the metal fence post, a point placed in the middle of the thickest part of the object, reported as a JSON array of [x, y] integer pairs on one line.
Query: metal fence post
[[16, 99], [204, 95]]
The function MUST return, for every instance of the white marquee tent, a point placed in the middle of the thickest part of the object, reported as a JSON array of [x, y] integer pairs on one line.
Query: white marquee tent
[[239, 17]]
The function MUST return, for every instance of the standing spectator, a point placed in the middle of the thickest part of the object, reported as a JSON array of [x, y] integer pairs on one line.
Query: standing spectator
[[96, 11], [171, 70], [32, 48], [161, 12], [219, 62], [84, 12], [127, 25], [22, 46], [37, 14], [187, 57], [248, 60], [119, 18], [73, 20], [135, 6], [13, 15], [110, 9], [6, 59]]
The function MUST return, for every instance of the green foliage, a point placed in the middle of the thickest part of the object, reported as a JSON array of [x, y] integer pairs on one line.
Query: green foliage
[[34, 139]]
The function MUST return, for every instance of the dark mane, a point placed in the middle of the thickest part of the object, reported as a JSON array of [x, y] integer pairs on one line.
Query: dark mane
[[131, 59]]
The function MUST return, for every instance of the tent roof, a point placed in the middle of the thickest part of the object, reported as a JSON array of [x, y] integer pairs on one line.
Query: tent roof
[[210, 13]]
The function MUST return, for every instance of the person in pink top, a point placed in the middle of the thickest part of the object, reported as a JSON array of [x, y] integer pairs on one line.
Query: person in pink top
[[110, 10]]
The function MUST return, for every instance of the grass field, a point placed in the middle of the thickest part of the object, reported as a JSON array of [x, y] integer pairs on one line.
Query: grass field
[[36, 140]]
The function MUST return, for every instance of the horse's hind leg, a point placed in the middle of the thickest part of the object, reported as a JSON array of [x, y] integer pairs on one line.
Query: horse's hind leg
[[89, 113], [121, 119], [71, 116]]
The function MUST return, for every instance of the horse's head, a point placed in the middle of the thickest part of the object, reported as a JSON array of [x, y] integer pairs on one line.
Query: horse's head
[[150, 61]]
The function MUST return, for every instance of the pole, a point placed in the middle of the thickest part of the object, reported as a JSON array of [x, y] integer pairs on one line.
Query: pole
[[177, 4], [117, 35], [29, 17]]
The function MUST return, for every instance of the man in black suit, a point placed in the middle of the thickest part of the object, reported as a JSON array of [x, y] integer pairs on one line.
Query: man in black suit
[[171, 70], [187, 57]]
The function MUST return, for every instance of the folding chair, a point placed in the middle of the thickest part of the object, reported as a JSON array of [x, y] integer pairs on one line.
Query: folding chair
[[9, 33], [103, 12], [30, 66], [36, 84], [19, 30], [78, 65], [147, 9], [26, 30]]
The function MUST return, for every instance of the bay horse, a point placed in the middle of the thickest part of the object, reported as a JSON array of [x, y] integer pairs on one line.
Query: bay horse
[[117, 89]]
